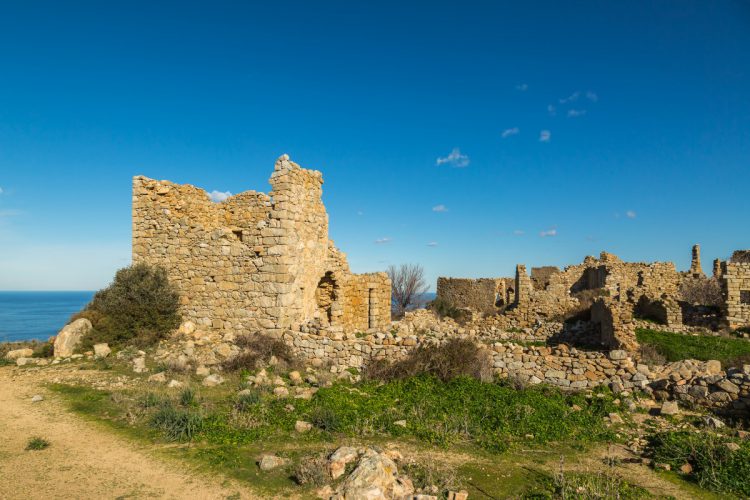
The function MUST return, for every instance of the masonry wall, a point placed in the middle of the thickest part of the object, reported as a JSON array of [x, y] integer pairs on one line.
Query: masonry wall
[[254, 262], [478, 294], [735, 281]]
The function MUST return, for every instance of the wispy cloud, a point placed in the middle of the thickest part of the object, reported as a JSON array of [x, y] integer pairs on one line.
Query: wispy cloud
[[432, 244], [518, 232], [509, 132], [360, 212], [551, 109], [523, 87], [571, 98], [10, 212], [573, 113], [591, 96], [454, 159], [630, 214], [545, 136], [218, 196], [1, 190], [383, 240], [548, 233], [440, 208]]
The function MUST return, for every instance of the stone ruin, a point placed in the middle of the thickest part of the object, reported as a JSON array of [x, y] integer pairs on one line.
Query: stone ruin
[[256, 261], [606, 293]]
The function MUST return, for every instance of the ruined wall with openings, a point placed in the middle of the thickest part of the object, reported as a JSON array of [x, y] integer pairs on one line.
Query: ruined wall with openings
[[254, 261], [735, 282]]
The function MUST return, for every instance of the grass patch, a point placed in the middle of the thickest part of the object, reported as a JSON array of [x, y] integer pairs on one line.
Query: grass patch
[[37, 443], [714, 465], [676, 347]]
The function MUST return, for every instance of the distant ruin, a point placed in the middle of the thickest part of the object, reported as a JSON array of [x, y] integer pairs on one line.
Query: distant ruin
[[613, 292], [256, 261]]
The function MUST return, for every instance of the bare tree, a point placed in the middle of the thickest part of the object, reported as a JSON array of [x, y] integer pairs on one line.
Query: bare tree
[[408, 284]]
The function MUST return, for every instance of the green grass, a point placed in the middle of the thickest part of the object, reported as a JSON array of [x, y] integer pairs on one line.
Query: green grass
[[676, 347], [37, 443], [715, 466]]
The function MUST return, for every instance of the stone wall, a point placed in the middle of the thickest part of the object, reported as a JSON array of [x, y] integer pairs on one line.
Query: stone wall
[[255, 261], [735, 280], [478, 294]]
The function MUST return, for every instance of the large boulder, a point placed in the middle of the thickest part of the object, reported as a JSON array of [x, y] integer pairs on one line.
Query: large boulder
[[375, 478], [19, 353], [70, 337]]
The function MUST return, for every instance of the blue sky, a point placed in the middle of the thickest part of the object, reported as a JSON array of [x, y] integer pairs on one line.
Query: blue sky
[[430, 121]]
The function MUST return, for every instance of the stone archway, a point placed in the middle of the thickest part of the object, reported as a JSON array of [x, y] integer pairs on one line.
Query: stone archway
[[325, 295]]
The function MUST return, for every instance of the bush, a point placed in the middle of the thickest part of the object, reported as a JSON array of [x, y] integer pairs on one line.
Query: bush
[[714, 465], [175, 424], [187, 397], [650, 355], [445, 309], [37, 443], [140, 307], [44, 350], [258, 350], [247, 400], [455, 358], [312, 470], [701, 291]]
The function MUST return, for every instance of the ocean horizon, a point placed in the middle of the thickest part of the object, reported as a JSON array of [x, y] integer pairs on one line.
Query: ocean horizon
[[37, 315]]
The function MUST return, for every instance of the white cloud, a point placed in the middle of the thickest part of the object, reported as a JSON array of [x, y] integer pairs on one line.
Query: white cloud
[[383, 240], [9, 213], [518, 232], [573, 113], [218, 196], [360, 212], [523, 87], [455, 159], [571, 98], [551, 110], [432, 244], [1, 190], [545, 135], [440, 208], [630, 214], [510, 131], [591, 96], [548, 232]]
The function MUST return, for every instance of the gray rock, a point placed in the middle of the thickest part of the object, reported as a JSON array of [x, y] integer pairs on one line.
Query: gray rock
[[669, 408], [70, 337], [270, 462], [37, 398], [212, 380], [102, 350], [19, 353]]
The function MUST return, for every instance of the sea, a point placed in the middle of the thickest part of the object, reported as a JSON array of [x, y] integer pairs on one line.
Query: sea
[[37, 315]]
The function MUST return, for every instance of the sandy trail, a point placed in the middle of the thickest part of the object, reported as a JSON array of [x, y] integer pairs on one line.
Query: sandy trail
[[84, 461]]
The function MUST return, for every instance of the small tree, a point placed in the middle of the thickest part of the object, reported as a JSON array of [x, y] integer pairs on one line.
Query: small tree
[[408, 284]]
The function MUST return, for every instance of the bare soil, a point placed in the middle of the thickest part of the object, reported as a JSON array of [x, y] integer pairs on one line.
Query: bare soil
[[84, 459]]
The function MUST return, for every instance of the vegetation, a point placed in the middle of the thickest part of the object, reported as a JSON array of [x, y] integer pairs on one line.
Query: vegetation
[[676, 346], [587, 485], [701, 291], [715, 465], [258, 349], [177, 424], [37, 443], [139, 307], [408, 284], [312, 470], [455, 358], [445, 309]]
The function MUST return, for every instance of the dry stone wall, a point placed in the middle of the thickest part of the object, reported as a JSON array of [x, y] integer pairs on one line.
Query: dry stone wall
[[255, 261], [735, 282]]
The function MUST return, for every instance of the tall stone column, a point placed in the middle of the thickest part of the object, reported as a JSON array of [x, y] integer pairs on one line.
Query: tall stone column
[[695, 263]]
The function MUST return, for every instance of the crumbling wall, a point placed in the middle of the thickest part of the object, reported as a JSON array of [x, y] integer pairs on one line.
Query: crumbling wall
[[479, 294], [614, 323], [253, 262]]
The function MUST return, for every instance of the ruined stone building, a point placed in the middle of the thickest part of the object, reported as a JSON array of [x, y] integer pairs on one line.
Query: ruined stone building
[[615, 291], [256, 261]]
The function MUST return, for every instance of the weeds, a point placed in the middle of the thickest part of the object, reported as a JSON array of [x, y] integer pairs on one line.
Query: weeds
[[258, 350], [312, 470], [37, 443], [176, 424], [676, 346]]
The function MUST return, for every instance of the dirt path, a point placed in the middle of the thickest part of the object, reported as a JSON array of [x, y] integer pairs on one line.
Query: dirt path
[[83, 461]]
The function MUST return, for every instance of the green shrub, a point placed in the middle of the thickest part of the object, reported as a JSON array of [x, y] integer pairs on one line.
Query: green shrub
[[139, 307], [247, 400], [445, 309], [676, 346], [37, 443], [714, 465], [312, 470], [258, 350], [187, 397], [44, 350], [176, 424], [455, 358]]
